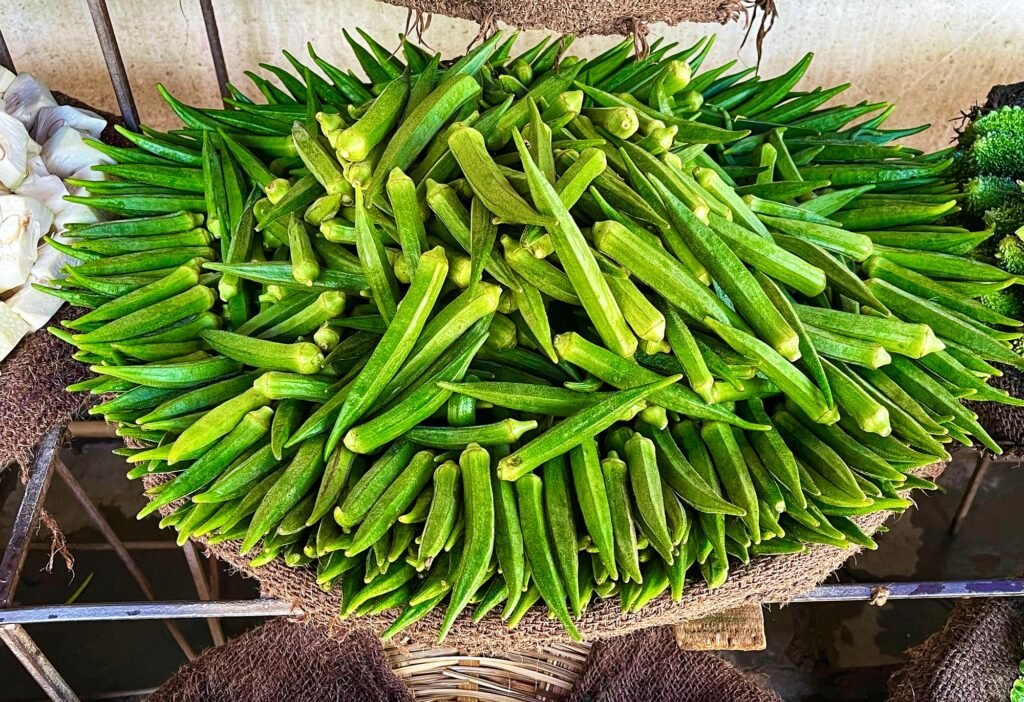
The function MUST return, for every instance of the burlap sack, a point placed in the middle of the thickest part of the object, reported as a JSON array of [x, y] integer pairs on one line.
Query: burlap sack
[[588, 16], [767, 579], [32, 396], [975, 658], [34, 375], [649, 666], [284, 660]]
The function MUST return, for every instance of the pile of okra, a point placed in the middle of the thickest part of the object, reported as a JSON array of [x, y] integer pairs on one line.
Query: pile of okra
[[526, 329]]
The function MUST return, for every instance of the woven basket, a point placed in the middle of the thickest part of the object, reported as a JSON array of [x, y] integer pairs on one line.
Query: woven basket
[[764, 579]]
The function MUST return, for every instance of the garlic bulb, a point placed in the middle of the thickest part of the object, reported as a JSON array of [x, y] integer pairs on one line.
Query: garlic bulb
[[47, 189], [24, 97], [23, 221], [14, 151], [6, 78], [52, 118], [31, 305], [32, 192], [65, 152]]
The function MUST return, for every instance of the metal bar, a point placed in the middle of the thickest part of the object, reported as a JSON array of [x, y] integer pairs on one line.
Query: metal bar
[[115, 65], [42, 614], [203, 590], [216, 51], [122, 553], [849, 592], [842, 592], [6, 60], [28, 512], [977, 477], [36, 663]]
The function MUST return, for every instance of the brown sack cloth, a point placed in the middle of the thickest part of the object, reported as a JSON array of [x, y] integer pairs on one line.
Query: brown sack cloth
[[973, 659], [586, 16], [284, 660], [32, 396], [649, 666]]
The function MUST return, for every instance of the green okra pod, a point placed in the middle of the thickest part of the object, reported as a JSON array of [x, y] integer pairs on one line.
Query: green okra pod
[[478, 538], [398, 496], [645, 481], [561, 521], [574, 429]]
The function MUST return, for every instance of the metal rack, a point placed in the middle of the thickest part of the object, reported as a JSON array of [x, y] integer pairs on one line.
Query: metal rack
[[208, 606]]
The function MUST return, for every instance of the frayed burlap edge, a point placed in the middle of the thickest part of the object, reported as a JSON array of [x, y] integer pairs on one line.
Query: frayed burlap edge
[[32, 395], [768, 579], [583, 17], [974, 657]]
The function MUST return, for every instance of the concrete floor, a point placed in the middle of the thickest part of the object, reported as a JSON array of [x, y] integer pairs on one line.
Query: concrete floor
[[834, 652]]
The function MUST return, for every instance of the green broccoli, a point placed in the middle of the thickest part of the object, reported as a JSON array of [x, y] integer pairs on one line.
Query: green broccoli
[[1010, 254], [1008, 302], [989, 192], [990, 159]]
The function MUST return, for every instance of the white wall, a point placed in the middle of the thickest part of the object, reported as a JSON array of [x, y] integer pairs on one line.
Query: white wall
[[933, 57]]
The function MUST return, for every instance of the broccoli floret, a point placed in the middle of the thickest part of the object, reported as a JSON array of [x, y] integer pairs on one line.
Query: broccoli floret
[[1010, 254], [989, 192], [992, 145]]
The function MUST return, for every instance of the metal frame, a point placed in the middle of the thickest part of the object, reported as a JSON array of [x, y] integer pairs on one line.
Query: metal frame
[[984, 461], [14, 636], [40, 476], [216, 52], [115, 64]]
